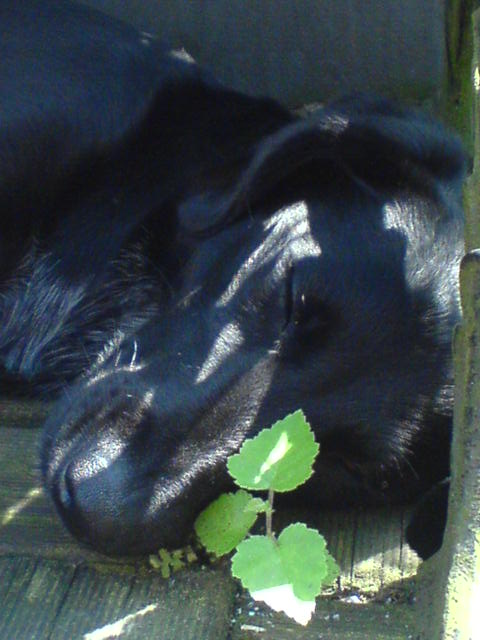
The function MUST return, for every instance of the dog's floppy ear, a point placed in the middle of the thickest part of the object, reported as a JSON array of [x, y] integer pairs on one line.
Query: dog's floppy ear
[[276, 157], [372, 142]]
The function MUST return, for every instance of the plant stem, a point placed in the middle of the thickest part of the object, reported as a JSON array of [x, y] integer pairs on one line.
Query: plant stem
[[269, 513]]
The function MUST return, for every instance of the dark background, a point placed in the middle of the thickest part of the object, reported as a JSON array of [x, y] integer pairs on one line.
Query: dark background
[[302, 51]]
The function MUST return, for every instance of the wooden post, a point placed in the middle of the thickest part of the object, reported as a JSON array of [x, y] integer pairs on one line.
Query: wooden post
[[449, 584]]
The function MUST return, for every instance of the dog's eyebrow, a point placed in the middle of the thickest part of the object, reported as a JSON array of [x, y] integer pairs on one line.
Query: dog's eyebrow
[[295, 220]]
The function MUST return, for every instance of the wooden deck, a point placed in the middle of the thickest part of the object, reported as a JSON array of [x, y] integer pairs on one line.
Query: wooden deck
[[51, 588]]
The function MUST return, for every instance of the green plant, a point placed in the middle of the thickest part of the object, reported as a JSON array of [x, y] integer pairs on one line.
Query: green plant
[[289, 571], [168, 562]]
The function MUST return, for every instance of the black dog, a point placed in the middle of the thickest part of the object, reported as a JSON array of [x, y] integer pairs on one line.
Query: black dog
[[186, 264]]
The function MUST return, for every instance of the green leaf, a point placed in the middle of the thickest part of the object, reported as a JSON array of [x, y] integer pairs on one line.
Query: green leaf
[[258, 565], [170, 561], [257, 505], [155, 562], [333, 571], [177, 561], [279, 458], [287, 574], [306, 560], [164, 558], [226, 521]]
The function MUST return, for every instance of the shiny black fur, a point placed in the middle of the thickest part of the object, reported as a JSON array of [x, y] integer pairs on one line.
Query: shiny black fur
[[184, 265]]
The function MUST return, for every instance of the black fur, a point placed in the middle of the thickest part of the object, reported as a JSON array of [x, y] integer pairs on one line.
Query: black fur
[[183, 265]]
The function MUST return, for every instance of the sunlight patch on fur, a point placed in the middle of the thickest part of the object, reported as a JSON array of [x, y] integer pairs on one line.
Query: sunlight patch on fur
[[196, 462], [228, 341], [289, 227], [106, 452], [111, 446]]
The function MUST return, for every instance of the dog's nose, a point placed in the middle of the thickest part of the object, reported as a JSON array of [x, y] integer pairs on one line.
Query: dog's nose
[[110, 492], [113, 515]]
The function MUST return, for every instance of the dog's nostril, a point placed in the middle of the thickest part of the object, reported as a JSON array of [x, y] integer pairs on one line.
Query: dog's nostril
[[65, 488]]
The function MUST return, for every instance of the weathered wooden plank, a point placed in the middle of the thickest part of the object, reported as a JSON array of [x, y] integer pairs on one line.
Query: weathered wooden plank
[[15, 574], [48, 599], [35, 592], [28, 523], [21, 414], [333, 620], [380, 556]]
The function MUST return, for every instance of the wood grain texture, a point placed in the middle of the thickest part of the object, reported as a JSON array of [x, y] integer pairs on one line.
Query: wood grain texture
[[51, 600], [333, 620]]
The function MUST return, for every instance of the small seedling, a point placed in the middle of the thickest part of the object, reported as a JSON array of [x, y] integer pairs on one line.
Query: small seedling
[[289, 571], [168, 562]]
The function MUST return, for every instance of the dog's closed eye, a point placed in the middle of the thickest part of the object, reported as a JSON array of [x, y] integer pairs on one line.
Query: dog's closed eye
[[307, 316]]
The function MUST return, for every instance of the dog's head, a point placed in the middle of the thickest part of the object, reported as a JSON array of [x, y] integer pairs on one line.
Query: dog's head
[[324, 278]]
